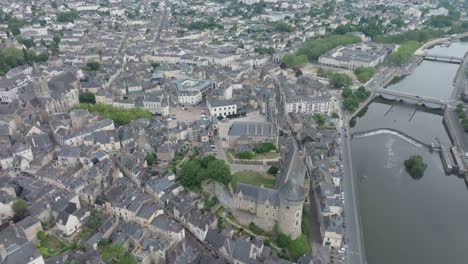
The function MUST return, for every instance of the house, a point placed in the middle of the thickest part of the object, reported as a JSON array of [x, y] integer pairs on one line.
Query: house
[[71, 219], [164, 225], [147, 213], [30, 226], [25, 254], [221, 108]]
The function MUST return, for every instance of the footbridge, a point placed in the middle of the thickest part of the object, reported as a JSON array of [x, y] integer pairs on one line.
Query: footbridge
[[442, 58], [410, 98]]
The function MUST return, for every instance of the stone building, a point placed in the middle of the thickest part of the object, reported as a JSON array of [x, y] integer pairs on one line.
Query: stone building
[[267, 208], [252, 133]]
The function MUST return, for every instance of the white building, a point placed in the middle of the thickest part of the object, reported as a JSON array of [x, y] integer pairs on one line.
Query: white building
[[309, 105], [356, 55], [221, 107], [192, 92]]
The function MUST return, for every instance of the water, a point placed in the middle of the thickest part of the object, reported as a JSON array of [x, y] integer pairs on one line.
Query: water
[[429, 79], [406, 220]]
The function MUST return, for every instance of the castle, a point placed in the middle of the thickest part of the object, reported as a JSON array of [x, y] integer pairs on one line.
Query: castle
[[271, 209]]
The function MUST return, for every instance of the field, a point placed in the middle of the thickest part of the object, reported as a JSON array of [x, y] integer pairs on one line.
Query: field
[[254, 178]]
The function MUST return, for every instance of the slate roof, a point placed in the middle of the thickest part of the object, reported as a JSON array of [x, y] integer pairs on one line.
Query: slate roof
[[251, 129], [164, 223], [23, 254], [258, 194]]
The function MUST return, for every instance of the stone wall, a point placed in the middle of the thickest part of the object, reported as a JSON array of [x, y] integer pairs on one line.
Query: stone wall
[[217, 189]]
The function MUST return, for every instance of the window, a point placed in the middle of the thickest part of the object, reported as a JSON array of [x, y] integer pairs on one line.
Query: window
[[266, 213]]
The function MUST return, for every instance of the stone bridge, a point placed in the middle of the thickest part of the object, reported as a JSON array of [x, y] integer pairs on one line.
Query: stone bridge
[[410, 98]]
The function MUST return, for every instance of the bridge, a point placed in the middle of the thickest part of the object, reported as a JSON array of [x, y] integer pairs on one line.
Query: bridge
[[442, 58], [410, 98]]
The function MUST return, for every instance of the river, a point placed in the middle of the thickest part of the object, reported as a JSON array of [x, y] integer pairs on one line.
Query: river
[[405, 220]]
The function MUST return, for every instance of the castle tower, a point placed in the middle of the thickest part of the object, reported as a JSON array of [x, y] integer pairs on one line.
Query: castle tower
[[291, 199]]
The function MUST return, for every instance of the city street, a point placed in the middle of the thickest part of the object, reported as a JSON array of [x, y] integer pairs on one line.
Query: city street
[[353, 234]]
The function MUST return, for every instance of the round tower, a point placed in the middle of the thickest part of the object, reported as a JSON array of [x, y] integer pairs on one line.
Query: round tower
[[291, 199]]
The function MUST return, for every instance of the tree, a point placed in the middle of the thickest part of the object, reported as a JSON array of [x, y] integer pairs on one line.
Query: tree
[[199, 169], [464, 124], [364, 74], [150, 159], [340, 80], [273, 170], [351, 103], [283, 240], [335, 115], [415, 166], [319, 119], [362, 94], [299, 247], [292, 60], [155, 65], [92, 66], [117, 254], [41, 235], [87, 98], [346, 92], [68, 16], [20, 208]]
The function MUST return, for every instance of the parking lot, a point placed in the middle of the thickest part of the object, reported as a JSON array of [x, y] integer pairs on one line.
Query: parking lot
[[190, 114]]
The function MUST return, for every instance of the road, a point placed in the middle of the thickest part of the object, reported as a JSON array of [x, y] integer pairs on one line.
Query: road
[[459, 86], [353, 234]]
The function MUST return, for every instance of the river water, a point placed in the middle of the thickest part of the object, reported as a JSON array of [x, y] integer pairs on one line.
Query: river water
[[406, 220]]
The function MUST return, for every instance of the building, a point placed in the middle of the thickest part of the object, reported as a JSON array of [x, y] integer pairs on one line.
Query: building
[[221, 107], [252, 133], [310, 105], [8, 91], [356, 55], [270, 208], [192, 92]]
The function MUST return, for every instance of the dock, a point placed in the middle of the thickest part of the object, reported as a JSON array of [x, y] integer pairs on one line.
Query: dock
[[447, 160], [460, 167]]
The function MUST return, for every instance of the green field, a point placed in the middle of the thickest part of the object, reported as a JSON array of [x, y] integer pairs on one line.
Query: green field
[[254, 178]]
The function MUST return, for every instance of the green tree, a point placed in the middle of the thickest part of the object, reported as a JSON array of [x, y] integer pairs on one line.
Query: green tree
[[92, 66], [362, 94], [415, 166], [292, 60], [364, 74], [404, 52], [41, 235], [198, 169], [273, 170], [283, 240], [87, 98], [351, 103], [20, 209], [68, 16], [346, 92], [150, 159], [117, 254], [299, 247], [319, 119], [335, 115], [340, 80], [313, 49]]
